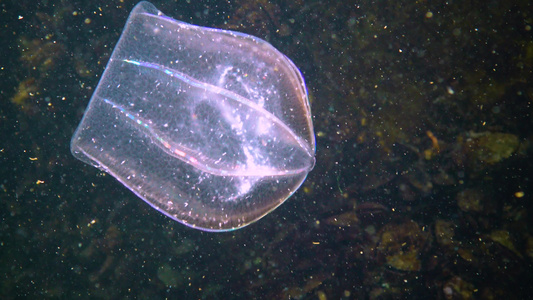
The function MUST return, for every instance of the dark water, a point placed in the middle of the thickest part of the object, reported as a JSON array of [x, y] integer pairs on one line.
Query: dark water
[[422, 113]]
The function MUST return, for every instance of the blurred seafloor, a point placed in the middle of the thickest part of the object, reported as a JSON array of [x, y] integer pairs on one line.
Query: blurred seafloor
[[422, 188]]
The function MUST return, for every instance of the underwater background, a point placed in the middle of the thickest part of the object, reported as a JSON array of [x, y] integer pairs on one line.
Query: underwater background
[[422, 187]]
